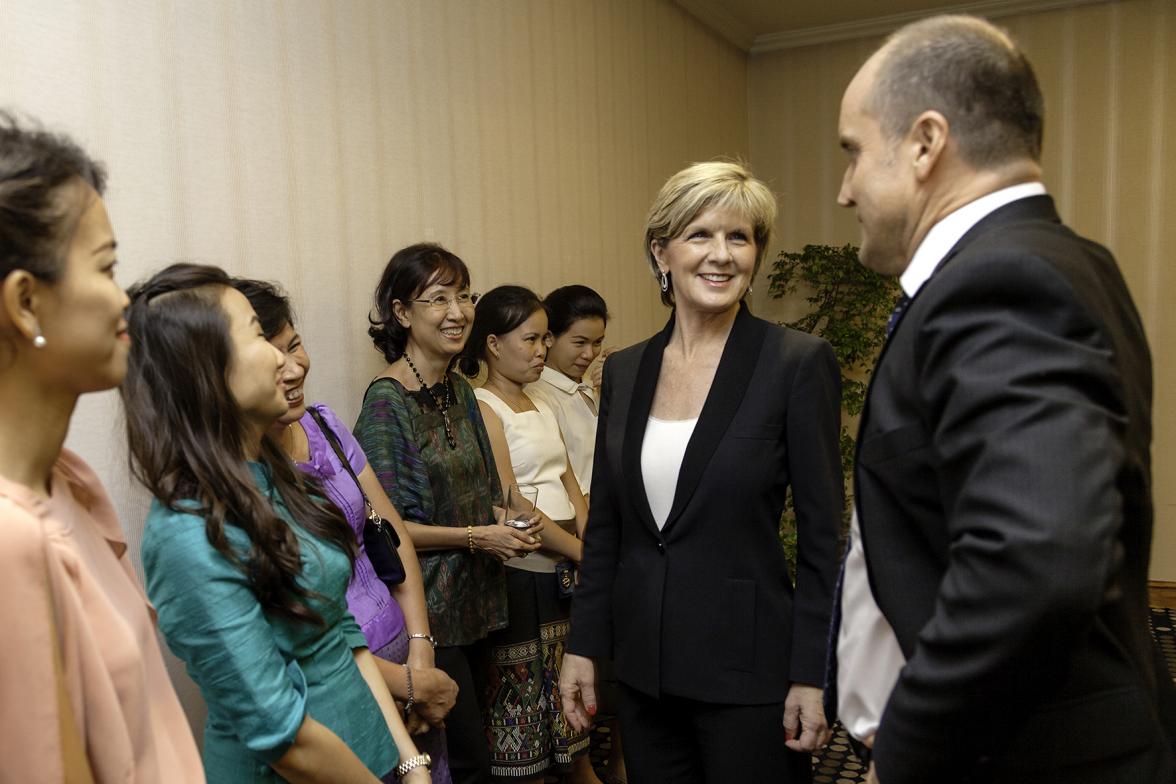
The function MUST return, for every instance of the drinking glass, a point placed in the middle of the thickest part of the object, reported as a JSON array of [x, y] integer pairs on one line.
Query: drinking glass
[[520, 505]]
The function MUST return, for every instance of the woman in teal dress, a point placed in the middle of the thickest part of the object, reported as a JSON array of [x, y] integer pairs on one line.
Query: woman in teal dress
[[246, 562]]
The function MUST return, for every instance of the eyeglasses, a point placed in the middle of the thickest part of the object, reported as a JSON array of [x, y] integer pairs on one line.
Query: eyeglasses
[[442, 302]]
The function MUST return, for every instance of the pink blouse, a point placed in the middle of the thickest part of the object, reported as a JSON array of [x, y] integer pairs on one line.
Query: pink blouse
[[65, 558]]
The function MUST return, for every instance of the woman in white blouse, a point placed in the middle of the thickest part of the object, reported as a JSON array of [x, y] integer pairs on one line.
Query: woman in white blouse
[[576, 320], [528, 734]]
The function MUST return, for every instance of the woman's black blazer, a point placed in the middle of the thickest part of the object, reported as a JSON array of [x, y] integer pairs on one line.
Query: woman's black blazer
[[705, 608]]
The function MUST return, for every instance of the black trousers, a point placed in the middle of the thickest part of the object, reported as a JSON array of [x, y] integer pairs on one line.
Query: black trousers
[[469, 753], [675, 740]]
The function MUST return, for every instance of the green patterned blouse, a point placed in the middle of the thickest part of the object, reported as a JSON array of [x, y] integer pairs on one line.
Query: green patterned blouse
[[403, 436]]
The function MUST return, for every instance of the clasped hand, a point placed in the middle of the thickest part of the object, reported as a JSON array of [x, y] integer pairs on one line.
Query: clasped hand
[[506, 542], [434, 695]]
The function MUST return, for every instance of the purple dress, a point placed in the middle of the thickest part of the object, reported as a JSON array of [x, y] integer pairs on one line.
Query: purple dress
[[368, 599]]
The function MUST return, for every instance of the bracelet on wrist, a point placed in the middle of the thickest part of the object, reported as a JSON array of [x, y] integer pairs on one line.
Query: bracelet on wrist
[[412, 763], [470, 537], [420, 636], [408, 688]]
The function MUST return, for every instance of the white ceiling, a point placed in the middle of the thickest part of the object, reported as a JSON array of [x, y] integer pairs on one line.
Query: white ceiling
[[765, 25]]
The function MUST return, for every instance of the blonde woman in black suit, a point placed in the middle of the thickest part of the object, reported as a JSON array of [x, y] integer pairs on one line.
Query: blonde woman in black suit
[[702, 430]]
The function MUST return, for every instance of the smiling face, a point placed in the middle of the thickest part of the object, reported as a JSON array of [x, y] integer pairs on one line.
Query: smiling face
[[436, 329], [518, 355], [255, 371], [294, 371], [878, 184], [81, 315], [711, 262], [572, 352]]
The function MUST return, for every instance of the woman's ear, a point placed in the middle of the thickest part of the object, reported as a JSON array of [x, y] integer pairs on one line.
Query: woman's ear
[[658, 250], [493, 347], [400, 313], [18, 301]]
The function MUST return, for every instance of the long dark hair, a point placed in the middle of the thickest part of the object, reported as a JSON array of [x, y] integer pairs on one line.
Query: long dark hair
[[499, 311], [409, 272], [186, 435]]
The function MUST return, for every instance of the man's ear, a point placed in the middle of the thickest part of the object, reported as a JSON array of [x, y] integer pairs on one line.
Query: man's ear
[[928, 139], [19, 294]]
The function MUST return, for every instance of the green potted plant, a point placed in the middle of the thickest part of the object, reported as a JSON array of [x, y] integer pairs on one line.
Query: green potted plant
[[848, 305]]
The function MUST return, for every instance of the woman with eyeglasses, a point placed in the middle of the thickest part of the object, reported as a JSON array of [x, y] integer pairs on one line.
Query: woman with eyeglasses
[[423, 435]]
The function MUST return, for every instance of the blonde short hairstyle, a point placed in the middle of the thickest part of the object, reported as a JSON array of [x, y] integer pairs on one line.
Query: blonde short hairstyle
[[699, 187]]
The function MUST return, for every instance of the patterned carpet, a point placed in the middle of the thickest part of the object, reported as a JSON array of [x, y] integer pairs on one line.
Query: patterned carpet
[[836, 764]]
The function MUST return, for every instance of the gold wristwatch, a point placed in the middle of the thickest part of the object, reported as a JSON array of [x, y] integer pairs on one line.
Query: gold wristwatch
[[412, 763]]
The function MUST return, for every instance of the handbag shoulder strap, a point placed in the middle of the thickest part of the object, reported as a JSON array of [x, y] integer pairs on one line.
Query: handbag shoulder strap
[[334, 442]]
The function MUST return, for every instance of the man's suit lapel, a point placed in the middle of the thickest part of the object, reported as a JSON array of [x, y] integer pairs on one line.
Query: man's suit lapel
[[1031, 208], [1040, 208], [732, 377]]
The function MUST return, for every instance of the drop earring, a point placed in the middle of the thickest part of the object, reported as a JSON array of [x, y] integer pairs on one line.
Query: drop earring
[[665, 282]]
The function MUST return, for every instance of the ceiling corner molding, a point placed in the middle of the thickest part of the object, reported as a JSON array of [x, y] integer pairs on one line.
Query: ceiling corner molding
[[714, 14], [883, 25]]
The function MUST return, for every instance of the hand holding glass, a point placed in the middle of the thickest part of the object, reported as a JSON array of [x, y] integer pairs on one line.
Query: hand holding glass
[[520, 505]]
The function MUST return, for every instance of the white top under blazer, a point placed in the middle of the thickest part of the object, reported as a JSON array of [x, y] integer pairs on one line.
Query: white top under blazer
[[662, 453]]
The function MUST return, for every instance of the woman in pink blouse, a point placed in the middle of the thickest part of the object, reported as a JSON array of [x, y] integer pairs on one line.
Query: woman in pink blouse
[[84, 695]]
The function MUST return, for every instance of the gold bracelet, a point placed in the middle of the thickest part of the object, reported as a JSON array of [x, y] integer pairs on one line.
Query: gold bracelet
[[470, 536]]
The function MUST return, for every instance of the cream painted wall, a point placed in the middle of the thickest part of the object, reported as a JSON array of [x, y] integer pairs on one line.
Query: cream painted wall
[[306, 140], [1107, 73]]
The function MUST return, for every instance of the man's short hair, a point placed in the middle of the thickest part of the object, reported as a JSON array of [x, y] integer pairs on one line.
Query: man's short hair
[[971, 72]]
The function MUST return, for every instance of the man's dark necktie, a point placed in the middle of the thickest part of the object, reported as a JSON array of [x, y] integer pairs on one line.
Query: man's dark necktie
[[895, 315]]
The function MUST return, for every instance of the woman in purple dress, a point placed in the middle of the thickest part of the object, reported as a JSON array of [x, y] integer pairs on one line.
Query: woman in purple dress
[[393, 618]]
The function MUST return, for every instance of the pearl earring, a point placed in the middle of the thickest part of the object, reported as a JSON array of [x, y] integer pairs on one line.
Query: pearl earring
[[39, 340]]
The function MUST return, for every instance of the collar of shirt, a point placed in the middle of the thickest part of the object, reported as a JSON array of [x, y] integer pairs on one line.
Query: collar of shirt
[[562, 382], [948, 231]]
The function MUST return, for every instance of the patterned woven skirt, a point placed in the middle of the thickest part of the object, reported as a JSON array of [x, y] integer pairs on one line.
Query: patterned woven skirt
[[524, 725]]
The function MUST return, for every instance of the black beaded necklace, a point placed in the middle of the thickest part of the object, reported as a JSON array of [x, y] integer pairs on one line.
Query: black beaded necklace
[[442, 404]]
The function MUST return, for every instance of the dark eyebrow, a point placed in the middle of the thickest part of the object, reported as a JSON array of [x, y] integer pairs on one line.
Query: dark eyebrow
[[108, 245]]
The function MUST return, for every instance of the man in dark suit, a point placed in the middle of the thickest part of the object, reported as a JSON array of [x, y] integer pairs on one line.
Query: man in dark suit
[[994, 603]]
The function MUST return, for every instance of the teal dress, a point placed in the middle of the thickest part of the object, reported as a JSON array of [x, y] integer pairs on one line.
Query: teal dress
[[260, 675]]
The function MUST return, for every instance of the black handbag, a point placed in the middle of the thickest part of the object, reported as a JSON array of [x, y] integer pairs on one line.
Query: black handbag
[[380, 541]]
